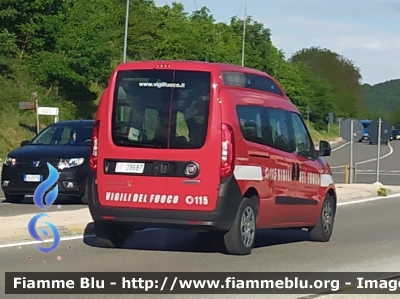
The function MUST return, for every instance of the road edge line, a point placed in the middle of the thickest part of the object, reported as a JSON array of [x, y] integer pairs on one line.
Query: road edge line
[[25, 243], [341, 146], [375, 198], [391, 151]]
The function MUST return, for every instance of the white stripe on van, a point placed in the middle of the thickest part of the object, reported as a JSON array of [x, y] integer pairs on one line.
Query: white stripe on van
[[248, 173], [254, 173], [326, 180]]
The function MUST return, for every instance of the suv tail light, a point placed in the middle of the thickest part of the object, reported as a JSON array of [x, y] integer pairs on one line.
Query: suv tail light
[[95, 143], [228, 151]]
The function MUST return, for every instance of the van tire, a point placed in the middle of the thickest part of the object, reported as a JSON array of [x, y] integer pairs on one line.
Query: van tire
[[233, 240], [320, 232], [109, 235], [84, 199]]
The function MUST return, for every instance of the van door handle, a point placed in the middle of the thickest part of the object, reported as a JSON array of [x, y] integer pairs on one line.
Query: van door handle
[[294, 169], [258, 154]]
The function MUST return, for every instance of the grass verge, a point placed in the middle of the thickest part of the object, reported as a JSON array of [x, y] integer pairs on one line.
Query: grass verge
[[317, 136]]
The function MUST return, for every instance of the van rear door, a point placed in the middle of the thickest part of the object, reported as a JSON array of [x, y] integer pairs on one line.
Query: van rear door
[[195, 142], [164, 150]]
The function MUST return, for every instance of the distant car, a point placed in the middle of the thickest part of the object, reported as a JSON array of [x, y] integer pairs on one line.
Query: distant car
[[395, 134], [65, 145], [365, 124]]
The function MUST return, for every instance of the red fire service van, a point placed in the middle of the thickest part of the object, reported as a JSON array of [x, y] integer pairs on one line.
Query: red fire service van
[[211, 147]]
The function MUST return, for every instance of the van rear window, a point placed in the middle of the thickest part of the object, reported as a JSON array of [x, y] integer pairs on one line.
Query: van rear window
[[161, 109], [251, 81]]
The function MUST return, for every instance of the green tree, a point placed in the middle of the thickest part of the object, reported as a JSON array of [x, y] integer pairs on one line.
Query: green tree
[[82, 54], [340, 72], [33, 23]]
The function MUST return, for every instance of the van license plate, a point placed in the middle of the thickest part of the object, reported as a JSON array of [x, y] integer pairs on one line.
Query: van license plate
[[129, 167], [32, 178]]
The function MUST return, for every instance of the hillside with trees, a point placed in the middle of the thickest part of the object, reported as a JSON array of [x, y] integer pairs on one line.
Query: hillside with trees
[[65, 51], [383, 100]]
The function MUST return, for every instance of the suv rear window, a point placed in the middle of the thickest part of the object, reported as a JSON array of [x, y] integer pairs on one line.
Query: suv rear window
[[161, 109]]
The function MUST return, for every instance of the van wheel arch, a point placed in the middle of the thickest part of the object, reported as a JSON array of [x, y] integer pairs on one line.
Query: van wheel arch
[[252, 192]]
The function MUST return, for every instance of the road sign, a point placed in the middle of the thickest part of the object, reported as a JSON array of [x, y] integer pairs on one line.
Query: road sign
[[386, 131], [47, 111], [345, 129], [330, 118], [27, 105]]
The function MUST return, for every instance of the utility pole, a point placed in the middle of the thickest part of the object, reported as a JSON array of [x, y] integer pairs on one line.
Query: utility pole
[[244, 30], [35, 97], [126, 30]]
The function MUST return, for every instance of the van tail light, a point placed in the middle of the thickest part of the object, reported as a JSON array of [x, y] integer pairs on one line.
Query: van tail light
[[95, 144], [228, 151]]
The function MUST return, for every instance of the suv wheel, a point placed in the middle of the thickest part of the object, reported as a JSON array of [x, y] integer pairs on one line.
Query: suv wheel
[[240, 238], [323, 229], [14, 198], [110, 235], [84, 199]]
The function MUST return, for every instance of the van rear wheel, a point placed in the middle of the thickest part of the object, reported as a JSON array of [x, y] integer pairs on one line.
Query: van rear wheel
[[110, 235], [240, 238]]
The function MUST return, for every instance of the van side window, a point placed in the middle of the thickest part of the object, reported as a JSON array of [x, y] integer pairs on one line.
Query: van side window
[[279, 126], [251, 81], [252, 124], [302, 140]]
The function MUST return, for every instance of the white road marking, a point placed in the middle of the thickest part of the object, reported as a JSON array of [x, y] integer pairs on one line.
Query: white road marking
[[45, 241], [24, 243], [342, 146], [370, 160], [381, 174], [371, 173], [368, 199]]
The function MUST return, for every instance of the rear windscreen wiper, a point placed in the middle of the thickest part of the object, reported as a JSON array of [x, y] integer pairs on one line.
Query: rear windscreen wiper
[[122, 140]]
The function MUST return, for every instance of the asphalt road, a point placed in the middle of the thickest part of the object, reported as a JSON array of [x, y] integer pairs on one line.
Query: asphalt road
[[365, 158], [366, 238], [366, 173], [27, 206]]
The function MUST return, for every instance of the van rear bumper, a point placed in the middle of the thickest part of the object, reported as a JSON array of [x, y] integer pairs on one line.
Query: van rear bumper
[[220, 219]]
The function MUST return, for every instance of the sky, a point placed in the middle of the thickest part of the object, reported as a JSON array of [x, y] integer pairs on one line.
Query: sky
[[365, 31]]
